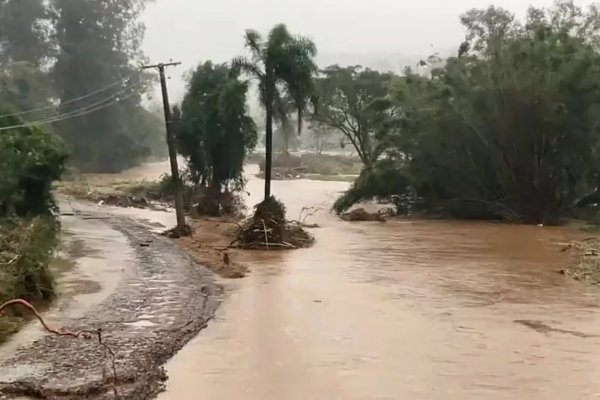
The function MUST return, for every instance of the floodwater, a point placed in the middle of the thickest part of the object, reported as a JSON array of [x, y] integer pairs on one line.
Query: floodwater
[[408, 309], [403, 310]]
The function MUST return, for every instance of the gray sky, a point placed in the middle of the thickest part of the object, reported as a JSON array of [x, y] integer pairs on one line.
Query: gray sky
[[345, 31]]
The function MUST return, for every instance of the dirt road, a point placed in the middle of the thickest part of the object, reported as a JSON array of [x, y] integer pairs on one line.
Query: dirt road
[[150, 300]]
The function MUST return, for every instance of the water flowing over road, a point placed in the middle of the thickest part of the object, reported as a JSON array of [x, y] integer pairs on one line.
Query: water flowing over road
[[408, 309]]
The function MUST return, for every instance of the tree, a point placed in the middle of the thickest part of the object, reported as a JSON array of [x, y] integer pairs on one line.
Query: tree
[[30, 160], [213, 130], [352, 101], [510, 128], [26, 87], [283, 66], [98, 47], [24, 32], [284, 134], [25, 47], [507, 129]]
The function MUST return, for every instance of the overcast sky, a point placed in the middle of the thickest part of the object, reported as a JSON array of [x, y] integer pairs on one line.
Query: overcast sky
[[344, 31]]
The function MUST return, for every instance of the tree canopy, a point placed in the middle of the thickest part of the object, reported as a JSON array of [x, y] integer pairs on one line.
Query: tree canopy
[[283, 66], [30, 160], [352, 100], [510, 127], [100, 39], [213, 129], [76, 63], [24, 32]]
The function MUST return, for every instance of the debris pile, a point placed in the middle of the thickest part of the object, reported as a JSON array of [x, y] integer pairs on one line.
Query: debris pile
[[268, 229], [360, 214]]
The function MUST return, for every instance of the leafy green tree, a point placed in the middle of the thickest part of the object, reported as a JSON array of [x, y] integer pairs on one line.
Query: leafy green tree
[[30, 160], [213, 129], [99, 44], [507, 129], [352, 100], [283, 66]]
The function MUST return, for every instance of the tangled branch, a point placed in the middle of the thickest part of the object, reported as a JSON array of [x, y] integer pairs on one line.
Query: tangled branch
[[84, 334]]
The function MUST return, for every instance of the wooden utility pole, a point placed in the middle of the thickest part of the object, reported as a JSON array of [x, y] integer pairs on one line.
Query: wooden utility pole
[[171, 144]]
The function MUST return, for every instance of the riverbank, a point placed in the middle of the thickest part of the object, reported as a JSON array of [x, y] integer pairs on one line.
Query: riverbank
[[161, 301]]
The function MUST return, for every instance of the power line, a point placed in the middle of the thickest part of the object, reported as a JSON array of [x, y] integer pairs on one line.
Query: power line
[[109, 98], [74, 114], [90, 107], [85, 96]]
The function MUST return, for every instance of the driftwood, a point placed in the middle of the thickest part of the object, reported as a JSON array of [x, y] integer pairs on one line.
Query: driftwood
[[268, 229]]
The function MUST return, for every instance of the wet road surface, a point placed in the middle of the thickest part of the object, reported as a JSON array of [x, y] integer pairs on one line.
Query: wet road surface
[[87, 269]]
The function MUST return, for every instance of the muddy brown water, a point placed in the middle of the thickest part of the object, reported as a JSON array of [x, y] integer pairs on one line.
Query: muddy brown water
[[402, 310]]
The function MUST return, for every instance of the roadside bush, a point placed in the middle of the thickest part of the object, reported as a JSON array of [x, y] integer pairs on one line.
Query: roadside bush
[[30, 161]]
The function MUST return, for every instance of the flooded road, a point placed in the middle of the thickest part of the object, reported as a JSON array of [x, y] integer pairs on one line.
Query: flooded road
[[402, 310], [88, 269]]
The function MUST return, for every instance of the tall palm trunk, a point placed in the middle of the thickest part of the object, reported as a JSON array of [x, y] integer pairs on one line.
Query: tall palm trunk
[[270, 88]]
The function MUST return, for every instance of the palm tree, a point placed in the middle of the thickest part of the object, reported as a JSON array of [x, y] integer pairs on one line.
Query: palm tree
[[283, 66]]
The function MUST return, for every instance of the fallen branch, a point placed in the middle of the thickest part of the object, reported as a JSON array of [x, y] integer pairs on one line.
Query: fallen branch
[[85, 334], [265, 230]]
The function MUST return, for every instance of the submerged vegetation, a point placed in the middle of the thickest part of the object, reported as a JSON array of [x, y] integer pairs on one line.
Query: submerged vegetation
[[507, 129]]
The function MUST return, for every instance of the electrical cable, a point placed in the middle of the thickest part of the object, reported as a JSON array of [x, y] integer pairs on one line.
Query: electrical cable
[[85, 96], [75, 114]]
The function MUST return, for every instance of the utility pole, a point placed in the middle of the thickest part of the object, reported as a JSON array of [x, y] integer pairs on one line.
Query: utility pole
[[171, 144]]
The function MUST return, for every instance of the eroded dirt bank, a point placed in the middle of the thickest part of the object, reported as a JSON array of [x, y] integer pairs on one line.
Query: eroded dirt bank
[[161, 301]]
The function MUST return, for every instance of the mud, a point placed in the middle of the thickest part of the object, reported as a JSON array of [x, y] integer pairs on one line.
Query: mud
[[209, 246], [162, 300]]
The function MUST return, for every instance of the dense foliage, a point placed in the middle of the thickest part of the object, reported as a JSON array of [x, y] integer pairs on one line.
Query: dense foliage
[[30, 160], [100, 39], [352, 100], [79, 60], [213, 129], [283, 66], [510, 127]]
